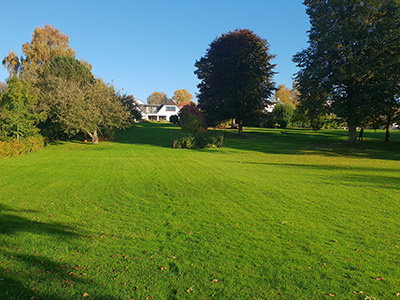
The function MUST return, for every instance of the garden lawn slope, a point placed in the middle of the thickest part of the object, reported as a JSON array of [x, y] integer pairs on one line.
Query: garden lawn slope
[[270, 216]]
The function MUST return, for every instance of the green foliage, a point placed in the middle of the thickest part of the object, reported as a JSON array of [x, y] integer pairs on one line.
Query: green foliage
[[17, 118], [187, 141], [192, 120], [351, 69], [299, 119], [174, 119], [15, 147], [129, 103], [283, 114], [92, 109], [70, 69], [191, 141], [236, 77]]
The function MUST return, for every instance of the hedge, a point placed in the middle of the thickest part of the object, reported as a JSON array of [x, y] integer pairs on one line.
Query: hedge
[[19, 147]]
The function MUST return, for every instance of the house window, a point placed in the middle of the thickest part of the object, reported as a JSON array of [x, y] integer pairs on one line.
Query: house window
[[170, 108]]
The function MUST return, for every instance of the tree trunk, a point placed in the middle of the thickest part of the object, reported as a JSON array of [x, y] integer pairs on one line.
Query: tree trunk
[[387, 134], [240, 126], [95, 138], [352, 132]]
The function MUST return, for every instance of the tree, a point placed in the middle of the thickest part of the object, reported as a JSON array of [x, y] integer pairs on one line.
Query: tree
[[192, 120], [130, 105], [283, 113], [3, 87], [91, 109], [157, 98], [12, 63], [352, 64], [46, 43], [236, 77], [181, 96], [285, 95], [17, 118], [70, 69]]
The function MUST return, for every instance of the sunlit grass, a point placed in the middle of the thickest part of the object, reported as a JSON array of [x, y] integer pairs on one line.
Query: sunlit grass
[[271, 216]]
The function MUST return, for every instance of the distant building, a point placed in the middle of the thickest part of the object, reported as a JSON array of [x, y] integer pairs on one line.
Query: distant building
[[271, 105], [155, 112]]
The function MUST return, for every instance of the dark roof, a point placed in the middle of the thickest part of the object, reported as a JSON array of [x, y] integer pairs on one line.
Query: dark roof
[[166, 102]]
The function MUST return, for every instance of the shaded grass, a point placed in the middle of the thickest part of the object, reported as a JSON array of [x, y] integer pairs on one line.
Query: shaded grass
[[270, 216]]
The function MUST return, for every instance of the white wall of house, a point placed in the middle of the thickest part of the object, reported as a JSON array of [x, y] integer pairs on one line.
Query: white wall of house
[[167, 111]]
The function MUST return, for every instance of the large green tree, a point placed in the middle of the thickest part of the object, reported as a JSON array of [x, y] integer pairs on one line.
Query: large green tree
[[352, 64], [91, 109], [236, 77], [71, 71]]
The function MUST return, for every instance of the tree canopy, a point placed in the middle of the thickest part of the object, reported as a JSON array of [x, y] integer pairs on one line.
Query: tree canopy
[[17, 118], [46, 43], [181, 96], [285, 95], [236, 77], [70, 69], [351, 66], [157, 98]]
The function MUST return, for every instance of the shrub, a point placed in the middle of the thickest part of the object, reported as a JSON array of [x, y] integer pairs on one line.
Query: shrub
[[190, 141], [174, 119], [185, 141], [17, 147], [192, 120]]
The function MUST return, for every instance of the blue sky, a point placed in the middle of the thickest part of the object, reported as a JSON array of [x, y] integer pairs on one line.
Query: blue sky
[[146, 46]]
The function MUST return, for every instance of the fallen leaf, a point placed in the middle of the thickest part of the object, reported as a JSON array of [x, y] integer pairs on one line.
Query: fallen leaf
[[354, 292], [379, 278], [85, 295], [331, 295], [398, 294], [215, 280]]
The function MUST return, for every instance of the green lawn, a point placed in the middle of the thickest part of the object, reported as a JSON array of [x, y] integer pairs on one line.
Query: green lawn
[[270, 216]]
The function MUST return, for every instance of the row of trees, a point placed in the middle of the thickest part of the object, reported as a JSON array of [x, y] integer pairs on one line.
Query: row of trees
[[351, 69], [180, 96], [352, 64], [50, 92]]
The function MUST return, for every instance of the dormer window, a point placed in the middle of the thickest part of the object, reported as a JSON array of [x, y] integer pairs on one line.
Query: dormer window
[[170, 108]]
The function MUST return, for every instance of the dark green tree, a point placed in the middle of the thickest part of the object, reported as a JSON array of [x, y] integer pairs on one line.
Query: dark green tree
[[236, 77], [352, 64], [130, 105]]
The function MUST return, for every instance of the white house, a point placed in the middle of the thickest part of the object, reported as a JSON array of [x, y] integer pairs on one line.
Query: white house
[[157, 112]]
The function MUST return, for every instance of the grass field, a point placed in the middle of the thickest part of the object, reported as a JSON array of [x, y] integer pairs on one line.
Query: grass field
[[270, 216]]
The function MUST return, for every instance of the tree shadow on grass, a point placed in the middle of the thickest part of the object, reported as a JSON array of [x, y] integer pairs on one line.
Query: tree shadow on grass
[[25, 275], [389, 178], [10, 223], [147, 133], [272, 141], [304, 142]]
